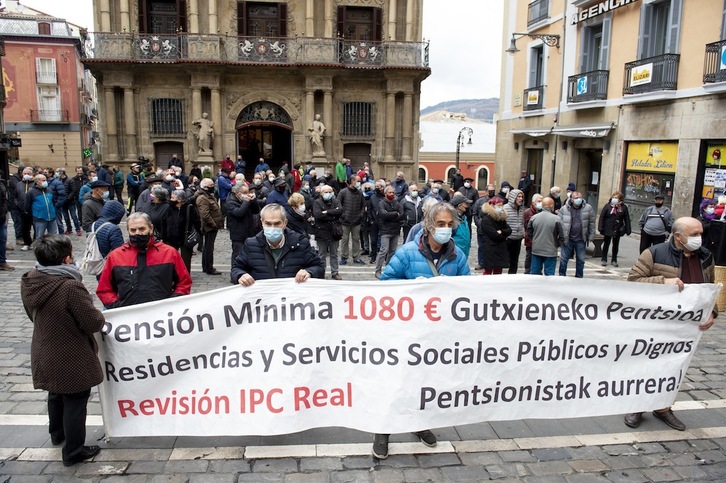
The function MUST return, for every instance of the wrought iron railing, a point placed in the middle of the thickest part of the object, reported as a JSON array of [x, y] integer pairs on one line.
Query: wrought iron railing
[[537, 11], [659, 73], [268, 50], [534, 98], [588, 86], [49, 115], [714, 65]]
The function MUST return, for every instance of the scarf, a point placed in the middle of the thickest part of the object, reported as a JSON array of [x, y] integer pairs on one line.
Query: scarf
[[70, 271]]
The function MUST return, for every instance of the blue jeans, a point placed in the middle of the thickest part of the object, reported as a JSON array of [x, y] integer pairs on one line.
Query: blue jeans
[[566, 253], [69, 212], [40, 225], [3, 242], [538, 262]]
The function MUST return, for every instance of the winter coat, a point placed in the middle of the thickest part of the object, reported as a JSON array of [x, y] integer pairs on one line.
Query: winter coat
[[225, 187], [298, 223], [3, 203], [528, 214], [39, 202], [462, 235], [496, 254], [69, 186], [256, 259], [159, 214], [109, 236], [13, 183], [58, 190], [240, 218], [352, 202], [324, 221], [210, 214], [587, 215], [91, 211], [410, 261], [277, 197], [62, 351], [390, 217], [515, 216], [412, 210], [614, 224], [401, 188], [21, 192], [545, 231]]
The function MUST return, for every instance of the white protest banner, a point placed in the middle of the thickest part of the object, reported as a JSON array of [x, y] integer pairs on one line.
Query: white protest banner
[[280, 357]]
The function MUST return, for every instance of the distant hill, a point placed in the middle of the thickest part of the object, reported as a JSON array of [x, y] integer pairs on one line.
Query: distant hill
[[483, 109]]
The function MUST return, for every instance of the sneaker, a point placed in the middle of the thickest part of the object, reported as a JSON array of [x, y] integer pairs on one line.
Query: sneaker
[[7, 268], [343, 261], [615, 263], [79, 232], [68, 232], [336, 277], [603, 263], [359, 262], [378, 275], [426, 437], [380, 446], [25, 248]]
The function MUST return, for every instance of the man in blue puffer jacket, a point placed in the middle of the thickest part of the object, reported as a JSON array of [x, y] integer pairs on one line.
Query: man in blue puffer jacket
[[39, 203], [276, 252], [109, 235]]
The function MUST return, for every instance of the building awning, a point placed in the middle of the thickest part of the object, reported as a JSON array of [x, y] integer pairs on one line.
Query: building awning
[[584, 130], [535, 132]]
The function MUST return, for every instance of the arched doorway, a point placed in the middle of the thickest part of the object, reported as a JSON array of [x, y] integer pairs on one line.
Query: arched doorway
[[264, 130]]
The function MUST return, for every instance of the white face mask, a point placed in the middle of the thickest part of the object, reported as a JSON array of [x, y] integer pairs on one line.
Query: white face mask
[[693, 243], [710, 210], [467, 185], [538, 205], [614, 201], [442, 235]]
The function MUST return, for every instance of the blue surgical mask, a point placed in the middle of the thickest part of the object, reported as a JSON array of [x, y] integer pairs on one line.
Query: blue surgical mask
[[577, 202], [414, 194], [327, 196], [106, 194], [273, 234], [538, 205], [44, 184], [94, 178], [442, 235]]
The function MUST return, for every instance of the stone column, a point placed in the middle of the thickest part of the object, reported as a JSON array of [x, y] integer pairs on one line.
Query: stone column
[[111, 132], [329, 125], [330, 20], [407, 153], [196, 103], [125, 16], [309, 115], [392, 19], [130, 123], [194, 18], [105, 17], [217, 147], [390, 126], [410, 6], [213, 17], [310, 18]]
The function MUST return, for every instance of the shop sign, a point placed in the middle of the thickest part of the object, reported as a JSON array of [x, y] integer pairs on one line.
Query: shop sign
[[714, 156], [652, 157], [723, 58], [532, 97], [599, 9], [641, 74], [582, 85]]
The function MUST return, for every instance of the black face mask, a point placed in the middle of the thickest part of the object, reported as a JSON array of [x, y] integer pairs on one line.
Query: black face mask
[[281, 189], [658, 205], [140, 241], [492, 193]]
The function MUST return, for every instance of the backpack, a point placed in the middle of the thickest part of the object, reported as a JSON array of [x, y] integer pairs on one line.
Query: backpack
[[93, 262]]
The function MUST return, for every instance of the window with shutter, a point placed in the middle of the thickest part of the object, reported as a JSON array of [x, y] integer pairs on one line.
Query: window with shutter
[[360, 23], [49, 103], [43, 28], [723, 22], [45, 71], [259, 19]]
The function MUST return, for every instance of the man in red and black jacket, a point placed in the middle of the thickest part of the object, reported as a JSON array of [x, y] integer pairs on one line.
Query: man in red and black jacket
[[143, 269]]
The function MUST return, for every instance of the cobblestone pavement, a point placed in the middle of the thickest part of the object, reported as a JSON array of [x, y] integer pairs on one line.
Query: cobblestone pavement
[[570, 450]]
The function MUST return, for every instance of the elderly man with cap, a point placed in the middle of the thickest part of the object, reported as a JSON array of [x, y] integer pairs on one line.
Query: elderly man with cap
[[100, 192], [655, 223], [210, 218], [462, 235], [278, 194]]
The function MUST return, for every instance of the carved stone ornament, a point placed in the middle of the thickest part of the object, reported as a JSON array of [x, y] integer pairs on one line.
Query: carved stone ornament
[[360, 2]]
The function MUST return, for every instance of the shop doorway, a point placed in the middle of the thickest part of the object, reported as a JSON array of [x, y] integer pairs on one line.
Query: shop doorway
[[591, 168], [534, 170]]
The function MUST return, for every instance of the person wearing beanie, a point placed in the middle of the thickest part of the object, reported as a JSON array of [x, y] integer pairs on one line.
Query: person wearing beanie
[[504, 190]]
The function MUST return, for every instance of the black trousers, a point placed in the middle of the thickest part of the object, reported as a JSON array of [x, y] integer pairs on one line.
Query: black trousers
[[374, 241], [648, 240], [236, 248], [514, 247], [208, 251], [606, 246], [67, 415]]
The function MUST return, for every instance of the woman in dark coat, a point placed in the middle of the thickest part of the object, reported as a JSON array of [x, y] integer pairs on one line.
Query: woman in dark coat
[[614, 223], [242, 211], [159, 212], [297, 217], [495, 230]]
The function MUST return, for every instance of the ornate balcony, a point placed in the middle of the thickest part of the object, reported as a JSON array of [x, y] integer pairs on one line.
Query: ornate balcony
[[538, 11], [588, 86], [52, 116], [714, 65], [534, 98], [259, 50], [659, 73]]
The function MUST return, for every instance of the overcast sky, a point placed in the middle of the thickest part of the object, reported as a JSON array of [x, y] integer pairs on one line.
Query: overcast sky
[[465, 52]]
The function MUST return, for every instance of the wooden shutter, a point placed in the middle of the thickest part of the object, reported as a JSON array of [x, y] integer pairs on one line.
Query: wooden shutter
[[181, 15], [143, 17], [604, 60], [585, 49], [534, 54], [646, 26], [242, 19], [377, 24], [282, 19], [674, 27], [341, 21]]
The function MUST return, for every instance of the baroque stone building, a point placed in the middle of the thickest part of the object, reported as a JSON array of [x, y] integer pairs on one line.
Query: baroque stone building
[[261, 70]]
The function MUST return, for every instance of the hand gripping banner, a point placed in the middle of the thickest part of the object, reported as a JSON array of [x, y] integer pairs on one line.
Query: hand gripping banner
[[399, 356]]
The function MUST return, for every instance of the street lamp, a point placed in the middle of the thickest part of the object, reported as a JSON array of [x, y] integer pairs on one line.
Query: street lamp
[[460, 140], [551, 40]]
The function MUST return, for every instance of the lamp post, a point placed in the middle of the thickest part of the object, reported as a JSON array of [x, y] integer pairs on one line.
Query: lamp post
[[460, 139]]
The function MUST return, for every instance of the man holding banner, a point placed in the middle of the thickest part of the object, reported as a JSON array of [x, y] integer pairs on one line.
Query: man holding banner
[[679, 261], [431, 254]]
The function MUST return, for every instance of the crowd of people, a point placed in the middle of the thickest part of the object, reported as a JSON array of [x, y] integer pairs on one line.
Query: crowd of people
[[293, 224]]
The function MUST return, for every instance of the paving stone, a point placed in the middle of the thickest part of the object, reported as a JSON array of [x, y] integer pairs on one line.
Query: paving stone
[[648, 448], [212, 478], [319, 477], [229, 466], [545, 479], [683, 459], [125, 479], [421, 475], [146, 467], [655, 460], [546, 468], [438, 460], [508, 470], [620, 450], [357, 462], [260, 477], [318, 464], [354, 476], [399, 461], [585, 478], [22, 467], [31, 479], [712, 456], [661, 474], [517, 456], [480, 459], [676, 446], [715, 472], [101, 469], [626, 476], [588, 466], [387, 475], [464, 473], [283, 465], [70, 479], [548, 454], [624, 462], [586, 453], [703, 444], [690, 472], [186, 466]]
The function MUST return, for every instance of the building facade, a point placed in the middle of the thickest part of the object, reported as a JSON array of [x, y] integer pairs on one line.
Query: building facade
[[616, 95], [49, 111], [261, 71]]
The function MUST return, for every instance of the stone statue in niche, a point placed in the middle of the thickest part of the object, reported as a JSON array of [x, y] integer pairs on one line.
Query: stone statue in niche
[[317, 133], [205, 133]]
